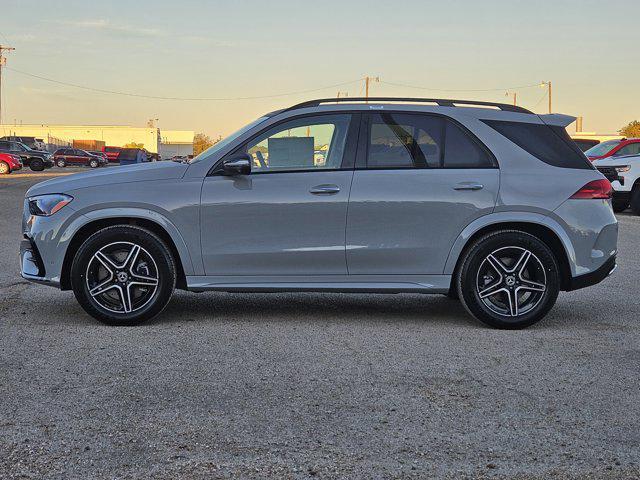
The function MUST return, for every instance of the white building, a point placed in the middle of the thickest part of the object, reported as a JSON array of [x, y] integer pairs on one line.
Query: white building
[[176, 143]]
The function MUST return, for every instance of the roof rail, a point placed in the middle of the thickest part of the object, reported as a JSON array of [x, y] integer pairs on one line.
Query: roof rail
[[439, 101]]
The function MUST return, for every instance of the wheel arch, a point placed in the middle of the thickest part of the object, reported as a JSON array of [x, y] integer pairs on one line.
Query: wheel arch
[[178, 248], [544, 228]]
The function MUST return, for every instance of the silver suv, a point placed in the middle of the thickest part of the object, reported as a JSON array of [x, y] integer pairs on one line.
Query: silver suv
[[488, 203]]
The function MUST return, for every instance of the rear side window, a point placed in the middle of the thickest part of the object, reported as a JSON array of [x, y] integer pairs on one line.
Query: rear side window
[[398, 140], [550, 144]]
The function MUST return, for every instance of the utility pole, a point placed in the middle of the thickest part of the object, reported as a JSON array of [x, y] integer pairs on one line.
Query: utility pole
[[367, 81], [3, 61], [344, 94], [515, 97]]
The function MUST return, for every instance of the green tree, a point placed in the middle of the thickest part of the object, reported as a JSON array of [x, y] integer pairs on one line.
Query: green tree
[[632, 129], [201, 142]]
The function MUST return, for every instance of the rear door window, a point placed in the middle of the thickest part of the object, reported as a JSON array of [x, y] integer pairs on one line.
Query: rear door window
[[399, 140], [549, 144]]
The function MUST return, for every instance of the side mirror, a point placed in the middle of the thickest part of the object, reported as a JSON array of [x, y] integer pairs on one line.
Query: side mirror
[[237, 166]]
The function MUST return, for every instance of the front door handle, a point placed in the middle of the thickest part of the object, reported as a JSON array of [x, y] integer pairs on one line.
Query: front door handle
[[325, 189], [468, 186]]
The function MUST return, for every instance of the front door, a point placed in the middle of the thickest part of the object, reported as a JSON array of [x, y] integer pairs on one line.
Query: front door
[[288, 217], [423, 179]]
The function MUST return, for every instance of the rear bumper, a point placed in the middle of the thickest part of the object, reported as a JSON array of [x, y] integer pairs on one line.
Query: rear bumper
[[588, 279]]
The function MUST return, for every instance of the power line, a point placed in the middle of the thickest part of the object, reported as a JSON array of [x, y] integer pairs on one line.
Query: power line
[[459, 90], [154, 97]]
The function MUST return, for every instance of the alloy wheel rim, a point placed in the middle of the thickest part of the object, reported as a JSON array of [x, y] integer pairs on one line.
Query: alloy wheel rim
[[4, 168], [511, 281], [122, 277]]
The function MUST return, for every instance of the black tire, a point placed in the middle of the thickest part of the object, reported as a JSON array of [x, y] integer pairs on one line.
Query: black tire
[[61, 163], [5, 169], [94, 164], [36, 164], [635, 200], [620, 205], [497, 310], [161, 263]]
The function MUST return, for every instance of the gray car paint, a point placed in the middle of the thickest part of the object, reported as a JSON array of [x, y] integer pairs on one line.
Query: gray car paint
[[524, 189]]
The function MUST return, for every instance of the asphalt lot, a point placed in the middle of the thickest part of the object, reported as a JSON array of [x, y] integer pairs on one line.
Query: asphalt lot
[[316, 386]]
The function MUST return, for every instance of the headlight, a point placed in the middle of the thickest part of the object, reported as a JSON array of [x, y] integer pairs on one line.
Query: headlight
[[45, 205], [622, 169]]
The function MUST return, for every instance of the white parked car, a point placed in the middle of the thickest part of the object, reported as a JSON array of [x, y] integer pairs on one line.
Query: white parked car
[[624, 175]]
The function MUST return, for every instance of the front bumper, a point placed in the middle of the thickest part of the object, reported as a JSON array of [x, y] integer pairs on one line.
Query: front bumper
[[588, 279]]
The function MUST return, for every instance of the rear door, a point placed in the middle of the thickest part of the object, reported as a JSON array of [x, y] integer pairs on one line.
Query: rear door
[[420, 179]]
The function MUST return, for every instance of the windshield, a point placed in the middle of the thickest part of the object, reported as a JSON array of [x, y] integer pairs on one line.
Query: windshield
[[226, 141], [602, 148]]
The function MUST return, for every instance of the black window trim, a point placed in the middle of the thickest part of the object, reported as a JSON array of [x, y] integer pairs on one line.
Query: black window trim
[[365, 132], [348, 158]]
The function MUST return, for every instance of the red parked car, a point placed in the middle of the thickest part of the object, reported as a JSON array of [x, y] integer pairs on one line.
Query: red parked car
[[614, 148], [112, 153], [75, 156], [9, 163]]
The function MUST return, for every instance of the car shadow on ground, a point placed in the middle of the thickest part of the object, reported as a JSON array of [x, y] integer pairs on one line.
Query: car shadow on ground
[[300, 307]]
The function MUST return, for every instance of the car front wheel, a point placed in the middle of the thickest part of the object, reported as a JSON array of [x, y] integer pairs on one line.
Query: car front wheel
[[123, 275], [508, 279], [4, 168], [94, 164], [36, 165]]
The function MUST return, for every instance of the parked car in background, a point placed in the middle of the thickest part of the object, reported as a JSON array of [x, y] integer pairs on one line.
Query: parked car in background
[[9, 163], [494, 206], [624, 174], [586, 143], [34, 159], [129, 156], [31, 142], [112, 153], [614, 148], [74, 156], [99, 154]]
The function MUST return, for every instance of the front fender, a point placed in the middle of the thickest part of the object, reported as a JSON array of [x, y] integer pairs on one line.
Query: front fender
[[509, 217], [145, 214]]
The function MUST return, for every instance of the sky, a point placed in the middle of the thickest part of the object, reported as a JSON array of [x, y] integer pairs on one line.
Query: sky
[[295, 51]]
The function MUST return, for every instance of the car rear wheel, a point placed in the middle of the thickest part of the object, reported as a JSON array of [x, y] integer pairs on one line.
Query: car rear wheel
[[619, 205], [61, 163], [94, 164], [36, 164], [508, 279], [123, 275], [4, 168]]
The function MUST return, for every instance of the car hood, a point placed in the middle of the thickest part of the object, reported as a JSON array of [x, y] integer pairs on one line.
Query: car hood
[[615, 161], [141, 172]]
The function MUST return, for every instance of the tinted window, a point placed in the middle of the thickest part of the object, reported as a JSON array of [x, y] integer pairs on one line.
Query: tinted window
[[630, 149], [4, 145], [403, 141], [460, 151], [550, 144], [305, 143]]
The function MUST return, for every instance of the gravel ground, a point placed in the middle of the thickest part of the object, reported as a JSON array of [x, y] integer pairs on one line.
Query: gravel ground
[[316, 386]]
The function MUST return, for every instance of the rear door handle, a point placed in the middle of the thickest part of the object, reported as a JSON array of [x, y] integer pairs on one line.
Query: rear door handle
[[325, 189], [468, 186]]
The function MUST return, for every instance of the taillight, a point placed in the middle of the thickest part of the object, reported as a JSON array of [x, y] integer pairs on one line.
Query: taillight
[[597, 189]]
